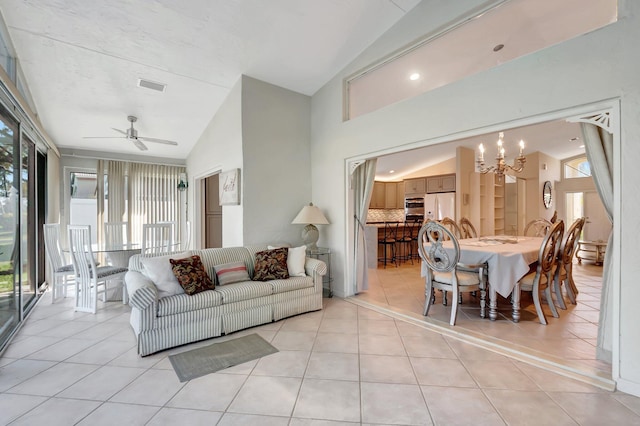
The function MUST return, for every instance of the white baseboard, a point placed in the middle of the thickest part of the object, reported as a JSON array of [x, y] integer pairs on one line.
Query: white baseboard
[[626, 386]]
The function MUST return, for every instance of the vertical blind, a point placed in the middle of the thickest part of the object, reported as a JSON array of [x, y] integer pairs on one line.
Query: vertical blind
[[153, 196]]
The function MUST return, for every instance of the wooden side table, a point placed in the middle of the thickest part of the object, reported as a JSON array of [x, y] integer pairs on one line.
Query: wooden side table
[[591, 250]]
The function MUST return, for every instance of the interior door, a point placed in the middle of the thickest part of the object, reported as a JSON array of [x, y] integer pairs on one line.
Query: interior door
[[213, 213], [597, 226]]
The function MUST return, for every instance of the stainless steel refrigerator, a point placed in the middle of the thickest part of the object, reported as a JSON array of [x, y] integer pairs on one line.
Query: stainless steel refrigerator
[[440, 205]]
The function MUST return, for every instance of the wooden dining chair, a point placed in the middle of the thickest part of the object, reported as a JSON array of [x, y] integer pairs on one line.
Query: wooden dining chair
[[537, 228], [564, 268], [61, 271], [157, 238], [90, 280], [542, 278], [467, 229], [442, 269], [452, 226]]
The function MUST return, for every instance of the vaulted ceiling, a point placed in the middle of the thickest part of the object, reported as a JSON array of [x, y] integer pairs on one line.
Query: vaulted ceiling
[[82, 59]]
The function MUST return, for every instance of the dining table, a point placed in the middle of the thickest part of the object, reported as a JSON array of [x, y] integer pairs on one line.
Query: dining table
[[508, 259]]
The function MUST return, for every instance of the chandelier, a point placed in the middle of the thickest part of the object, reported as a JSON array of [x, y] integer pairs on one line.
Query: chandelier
[[501, 166]]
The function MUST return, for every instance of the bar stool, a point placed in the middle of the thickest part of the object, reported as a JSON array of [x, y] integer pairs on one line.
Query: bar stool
[[405, 243], [389, 241]]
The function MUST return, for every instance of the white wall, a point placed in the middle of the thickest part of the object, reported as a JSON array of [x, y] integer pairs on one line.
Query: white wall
[[277, 163], [220, 148], [265, 131], [594, 67]]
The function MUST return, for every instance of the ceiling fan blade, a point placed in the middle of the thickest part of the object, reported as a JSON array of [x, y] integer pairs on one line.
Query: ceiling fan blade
[[139, 144], [103, 137], [164, 141], [119, 131]]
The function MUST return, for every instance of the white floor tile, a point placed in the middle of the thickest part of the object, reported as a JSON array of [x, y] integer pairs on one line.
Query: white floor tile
[[381, 345], [54, 380], [595, 408], [20, 370], [102, 384], [233, 419], [294, 340], [62, 350], [442, 372], [57, 412], [111, 413], [386, 369], [329, 400], [394, 404], [176, 416], [458, 407], [283, 363], [338, 366], [271, 396], [154, 387], [336, 342], [13, 406], [523, 408], [213, 392], [101, 353]]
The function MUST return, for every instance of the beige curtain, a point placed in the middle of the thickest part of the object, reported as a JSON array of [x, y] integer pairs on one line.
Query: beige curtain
[[101, 214], [116, 207], [362, 183], [153, 196], [599, 147]]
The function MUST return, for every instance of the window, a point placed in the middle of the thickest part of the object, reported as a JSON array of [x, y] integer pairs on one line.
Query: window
[[577, 168]]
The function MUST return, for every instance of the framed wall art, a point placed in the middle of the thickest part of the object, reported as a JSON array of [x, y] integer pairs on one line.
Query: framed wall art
[[230, 188]]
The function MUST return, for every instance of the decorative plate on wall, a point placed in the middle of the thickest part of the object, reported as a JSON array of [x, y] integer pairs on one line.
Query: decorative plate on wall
[[546, 194]]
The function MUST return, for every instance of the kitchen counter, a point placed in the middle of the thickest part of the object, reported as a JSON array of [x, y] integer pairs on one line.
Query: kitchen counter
[[374, 232]]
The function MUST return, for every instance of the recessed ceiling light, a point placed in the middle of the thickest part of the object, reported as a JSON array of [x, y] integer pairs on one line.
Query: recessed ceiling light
[[498, 47], [581, 146], [414, 76], [392, 171]]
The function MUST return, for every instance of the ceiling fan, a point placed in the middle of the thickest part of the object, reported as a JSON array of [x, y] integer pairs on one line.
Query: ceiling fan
[[132, 135]]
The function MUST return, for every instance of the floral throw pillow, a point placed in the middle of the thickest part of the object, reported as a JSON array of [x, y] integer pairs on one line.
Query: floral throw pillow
[[271, 265], [191, 274]]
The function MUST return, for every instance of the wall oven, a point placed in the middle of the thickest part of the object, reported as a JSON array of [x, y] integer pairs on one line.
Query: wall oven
[[414, 208]]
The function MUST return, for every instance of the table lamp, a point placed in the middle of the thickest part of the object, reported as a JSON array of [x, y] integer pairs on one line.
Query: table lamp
[[311, 215]]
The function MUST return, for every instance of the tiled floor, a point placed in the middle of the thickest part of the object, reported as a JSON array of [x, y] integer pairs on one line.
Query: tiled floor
[[571, 337], [343, 365]]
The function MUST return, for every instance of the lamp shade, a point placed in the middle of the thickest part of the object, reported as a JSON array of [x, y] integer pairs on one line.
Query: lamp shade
[[310, 215]]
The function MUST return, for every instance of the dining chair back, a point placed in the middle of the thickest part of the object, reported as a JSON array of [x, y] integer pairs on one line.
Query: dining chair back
[[405, 242], [452, 226], [115, 233], [442, 268], [90, 280], [564, 268], [537, 228], [467, 229], [157, 238], [542, 278], [61, 271]]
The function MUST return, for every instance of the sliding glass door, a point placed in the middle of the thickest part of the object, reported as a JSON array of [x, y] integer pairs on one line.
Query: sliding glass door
[[9, 220]]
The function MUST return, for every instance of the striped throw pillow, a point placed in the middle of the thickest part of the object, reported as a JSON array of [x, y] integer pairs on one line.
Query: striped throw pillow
[[233, 272]]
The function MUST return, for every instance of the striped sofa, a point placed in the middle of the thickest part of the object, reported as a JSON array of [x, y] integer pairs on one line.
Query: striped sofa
[[161, 323]]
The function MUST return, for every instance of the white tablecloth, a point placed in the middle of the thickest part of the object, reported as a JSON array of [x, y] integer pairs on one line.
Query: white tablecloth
[[507, 262]]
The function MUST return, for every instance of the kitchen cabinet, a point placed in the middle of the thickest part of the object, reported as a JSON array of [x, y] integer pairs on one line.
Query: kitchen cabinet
[[387, 195], [414, 186], [445, 183], [378, 196]]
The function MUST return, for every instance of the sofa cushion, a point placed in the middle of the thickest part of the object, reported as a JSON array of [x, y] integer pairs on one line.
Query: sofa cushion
[[191, 275], [218, 256], [233, 272], [291, 283], [271, 265], [237, 292], [172, 305], [158, 268], [296, 257]]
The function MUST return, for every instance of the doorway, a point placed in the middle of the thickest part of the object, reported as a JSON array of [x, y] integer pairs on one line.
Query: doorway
[[212, 213]]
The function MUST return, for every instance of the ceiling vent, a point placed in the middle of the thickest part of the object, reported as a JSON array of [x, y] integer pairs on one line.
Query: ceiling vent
[[158, 87]]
